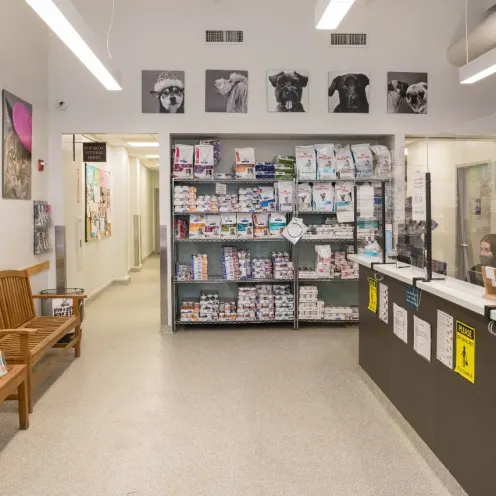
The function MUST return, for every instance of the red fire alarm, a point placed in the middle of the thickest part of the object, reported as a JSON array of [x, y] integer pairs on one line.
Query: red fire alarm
[[41, 165]]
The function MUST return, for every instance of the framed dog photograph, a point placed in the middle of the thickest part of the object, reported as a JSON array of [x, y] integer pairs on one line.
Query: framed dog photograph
[[348, 92], [287, 91], [163, 92], [407, 92], [226, 91]]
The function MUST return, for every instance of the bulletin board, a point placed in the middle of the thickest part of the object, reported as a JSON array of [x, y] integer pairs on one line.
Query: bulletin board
[[98, 204]]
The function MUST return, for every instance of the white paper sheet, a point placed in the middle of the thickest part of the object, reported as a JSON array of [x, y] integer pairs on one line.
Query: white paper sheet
[[419, 199], [384, 303], [444, 350], [220, 189], [366, 201], [400, 322], [422, 337]]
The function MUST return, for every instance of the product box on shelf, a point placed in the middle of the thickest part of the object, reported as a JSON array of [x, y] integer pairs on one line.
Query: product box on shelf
[[212, 226], [245, 163], [204, 162], [266, 198], [228, 227], [197, 226], [265, 170], [277, 223], [183, 161], [285, 196]]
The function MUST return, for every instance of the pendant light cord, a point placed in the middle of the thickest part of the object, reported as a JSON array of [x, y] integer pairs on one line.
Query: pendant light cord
[[466, 29], [110, 28]]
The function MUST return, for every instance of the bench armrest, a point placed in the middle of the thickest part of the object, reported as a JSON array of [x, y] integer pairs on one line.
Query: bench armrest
[[64, 297], [19, 332]]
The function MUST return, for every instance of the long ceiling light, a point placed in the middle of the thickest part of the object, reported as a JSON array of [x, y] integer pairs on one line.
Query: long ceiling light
[[479, 68], [330, 13], [143, 144], [51, 11]]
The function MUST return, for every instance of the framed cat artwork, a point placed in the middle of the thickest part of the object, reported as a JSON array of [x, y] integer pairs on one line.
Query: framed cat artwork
[[17, 147]]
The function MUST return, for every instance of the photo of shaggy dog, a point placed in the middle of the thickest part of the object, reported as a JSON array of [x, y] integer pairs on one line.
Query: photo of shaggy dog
[[287, 91], [163, 92], [226, 91], [348, 93], [407, 93]]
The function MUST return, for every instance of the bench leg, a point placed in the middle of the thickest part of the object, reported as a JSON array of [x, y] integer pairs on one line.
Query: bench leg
[[23, 405], [29, 387], [77, 348]]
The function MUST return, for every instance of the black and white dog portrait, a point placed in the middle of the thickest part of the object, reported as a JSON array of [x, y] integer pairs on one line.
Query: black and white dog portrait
[[348, 93], [287, 91], [407, 93], [163, 92], [226, 91]]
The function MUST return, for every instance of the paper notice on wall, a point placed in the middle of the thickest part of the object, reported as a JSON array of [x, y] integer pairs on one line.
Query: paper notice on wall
[[220, 189], [465, 351], [345, 212], [372, 295], [419, 198], [384, 303], [366, 201], [444, 349], [422, 338], [400, 322]]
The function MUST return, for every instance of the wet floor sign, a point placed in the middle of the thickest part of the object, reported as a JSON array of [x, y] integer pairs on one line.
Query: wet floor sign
[[465, 351]]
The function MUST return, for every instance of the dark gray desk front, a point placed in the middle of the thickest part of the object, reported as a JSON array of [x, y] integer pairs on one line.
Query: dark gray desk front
[[455, 418]]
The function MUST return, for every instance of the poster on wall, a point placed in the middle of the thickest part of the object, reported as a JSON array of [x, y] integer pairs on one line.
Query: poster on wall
[[98, 203], [287, 91], [226, 91], [163, 92], [349, 92], [17, 147], [407, 92]]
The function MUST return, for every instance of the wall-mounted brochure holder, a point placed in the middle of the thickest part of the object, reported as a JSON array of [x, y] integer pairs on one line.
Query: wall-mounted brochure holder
[[489, 276]]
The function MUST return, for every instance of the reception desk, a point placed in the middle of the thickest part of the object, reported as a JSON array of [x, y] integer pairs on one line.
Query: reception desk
[[455, 417]]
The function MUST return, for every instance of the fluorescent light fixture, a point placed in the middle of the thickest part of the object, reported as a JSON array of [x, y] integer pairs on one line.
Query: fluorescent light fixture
[[144, 144], [406, 152], [479, 68], [330, 13], [50, 12]]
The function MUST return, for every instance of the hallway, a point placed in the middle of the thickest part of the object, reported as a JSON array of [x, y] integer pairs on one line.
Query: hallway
[[245, 413]]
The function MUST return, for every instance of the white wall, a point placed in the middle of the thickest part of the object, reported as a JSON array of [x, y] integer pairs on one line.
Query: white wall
[[441, 158], [146, 208], [279, 34], [24, 60]]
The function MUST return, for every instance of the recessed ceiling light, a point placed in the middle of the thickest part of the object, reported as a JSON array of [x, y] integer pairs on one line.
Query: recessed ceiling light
[[152, 156], [144, 144], [61, 25], [330, 13]]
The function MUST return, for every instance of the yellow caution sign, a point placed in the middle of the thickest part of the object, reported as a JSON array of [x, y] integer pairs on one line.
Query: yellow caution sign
[[465, 351], [372, 294]]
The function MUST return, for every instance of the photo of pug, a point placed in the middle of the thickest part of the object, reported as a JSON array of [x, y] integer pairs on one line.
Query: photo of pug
[[407, 93], [287, 91]]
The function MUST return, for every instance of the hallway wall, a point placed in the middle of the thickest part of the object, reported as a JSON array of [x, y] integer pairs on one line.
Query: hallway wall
[[24, 61]]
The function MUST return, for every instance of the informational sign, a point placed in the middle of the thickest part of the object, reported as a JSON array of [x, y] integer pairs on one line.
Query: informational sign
[[345, 212], [220, 189], [422, 337], [444, 348], [94, 152], [366, 201], [419, 198], [372, 294], [384, 303], [412, 297], [400, 322], [62, 307], [465, 351]]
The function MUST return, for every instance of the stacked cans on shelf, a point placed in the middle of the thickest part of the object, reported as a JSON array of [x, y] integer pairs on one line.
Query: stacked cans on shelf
[[265, 302], [184, 199], [283, 266], [209, 306], [329, 231], [235, 264], [310, 307], [284, 302], [199, 267], [227, 311], [190, 310], [183, 272]]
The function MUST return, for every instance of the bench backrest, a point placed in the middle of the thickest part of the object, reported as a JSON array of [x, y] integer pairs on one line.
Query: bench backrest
[[16, 302]]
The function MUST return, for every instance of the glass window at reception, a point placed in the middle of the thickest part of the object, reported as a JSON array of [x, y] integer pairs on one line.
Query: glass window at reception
[[463, 183]]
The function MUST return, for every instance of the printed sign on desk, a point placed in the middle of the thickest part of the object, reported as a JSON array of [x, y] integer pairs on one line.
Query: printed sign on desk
[[419, 198], [465, 351], [372, 295]]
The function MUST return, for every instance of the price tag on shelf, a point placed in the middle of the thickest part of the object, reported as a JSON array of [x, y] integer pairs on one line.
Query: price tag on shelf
[[220, 189], [419, 198]]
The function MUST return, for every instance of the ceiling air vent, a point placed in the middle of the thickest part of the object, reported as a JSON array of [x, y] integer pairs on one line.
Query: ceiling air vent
[[216, 37], [349, 39]]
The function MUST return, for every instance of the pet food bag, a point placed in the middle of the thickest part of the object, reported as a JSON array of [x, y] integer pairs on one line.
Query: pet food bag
[[245, 163], [267, 198], [183, 161], [364, 168], [228, 226], [261, 226], [306, 162], [326, 162], [277, 223], [284, 196], [212, 226], [197, 226], [304, 197], [204, 162], [216, 145], [323, 197], [245, 226], [180, 229], [345, 167], [324, 260], [382, 161]]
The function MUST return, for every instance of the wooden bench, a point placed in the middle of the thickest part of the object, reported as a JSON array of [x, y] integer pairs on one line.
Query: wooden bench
[[15, 383], [17, 314]]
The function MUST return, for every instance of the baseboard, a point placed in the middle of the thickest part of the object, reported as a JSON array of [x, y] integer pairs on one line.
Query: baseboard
[[122, 280], [93, 296], [136, 269]]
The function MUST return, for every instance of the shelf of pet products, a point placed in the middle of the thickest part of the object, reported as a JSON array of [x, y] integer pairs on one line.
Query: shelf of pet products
[[220, 280], [231, 240], [182, 214], [227, 181]]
